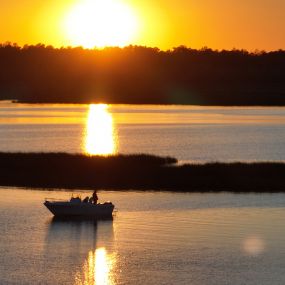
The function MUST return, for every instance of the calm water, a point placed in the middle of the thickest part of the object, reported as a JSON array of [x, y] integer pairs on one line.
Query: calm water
[[155, 238], [189, 133]]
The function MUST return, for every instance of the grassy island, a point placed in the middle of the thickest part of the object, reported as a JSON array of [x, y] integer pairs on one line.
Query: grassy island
[[138, 171]]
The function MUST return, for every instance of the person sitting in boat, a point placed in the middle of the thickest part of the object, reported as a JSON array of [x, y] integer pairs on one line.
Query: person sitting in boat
[[95, 197], [86, 199]]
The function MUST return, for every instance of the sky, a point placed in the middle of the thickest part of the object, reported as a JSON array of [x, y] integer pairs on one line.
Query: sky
[[218, 24]]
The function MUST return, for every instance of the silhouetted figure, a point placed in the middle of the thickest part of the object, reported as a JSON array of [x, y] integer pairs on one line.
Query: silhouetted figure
[[95, 197], [86, 199]]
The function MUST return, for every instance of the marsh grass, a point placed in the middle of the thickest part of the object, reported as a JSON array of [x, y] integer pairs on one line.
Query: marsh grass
[[137, 172]]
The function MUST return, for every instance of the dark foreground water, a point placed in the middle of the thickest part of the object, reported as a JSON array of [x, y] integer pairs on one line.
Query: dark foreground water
[[155, 238]]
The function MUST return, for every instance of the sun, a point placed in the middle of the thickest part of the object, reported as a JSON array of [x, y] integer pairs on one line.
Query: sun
[[100, 23]]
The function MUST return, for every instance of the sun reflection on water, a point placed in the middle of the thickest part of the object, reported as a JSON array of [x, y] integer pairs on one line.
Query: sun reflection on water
[[253, 245], [100, 136], [96, 269]]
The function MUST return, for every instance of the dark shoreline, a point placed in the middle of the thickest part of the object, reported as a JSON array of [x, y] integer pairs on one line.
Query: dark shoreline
[[142, 75], [154, 104], [137, 172]]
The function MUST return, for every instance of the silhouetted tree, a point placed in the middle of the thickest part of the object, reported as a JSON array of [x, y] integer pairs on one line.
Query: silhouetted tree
[[136, 74]]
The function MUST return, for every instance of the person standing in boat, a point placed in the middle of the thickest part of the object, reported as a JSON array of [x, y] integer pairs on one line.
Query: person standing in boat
[[95, 197]]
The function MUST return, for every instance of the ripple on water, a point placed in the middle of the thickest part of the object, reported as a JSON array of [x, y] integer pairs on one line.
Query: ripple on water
[[155, 238]]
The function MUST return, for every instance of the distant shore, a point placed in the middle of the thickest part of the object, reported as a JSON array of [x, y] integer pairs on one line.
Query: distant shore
[[136, 172], [142, 75], [151, 104]]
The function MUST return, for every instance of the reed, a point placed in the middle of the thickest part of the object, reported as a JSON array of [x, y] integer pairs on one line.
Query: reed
[[137, 172]]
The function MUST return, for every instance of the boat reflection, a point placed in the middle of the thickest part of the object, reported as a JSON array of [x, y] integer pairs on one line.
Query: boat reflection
[[100, 138], [85, 248]]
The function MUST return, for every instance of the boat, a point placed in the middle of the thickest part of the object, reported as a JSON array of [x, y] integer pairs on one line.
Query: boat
[[75, 207]]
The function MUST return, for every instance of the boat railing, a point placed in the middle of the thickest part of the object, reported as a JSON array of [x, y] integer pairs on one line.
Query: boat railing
[[56, 199]]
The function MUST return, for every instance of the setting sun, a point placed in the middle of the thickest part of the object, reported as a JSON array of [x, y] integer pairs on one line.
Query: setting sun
[[101, 23]]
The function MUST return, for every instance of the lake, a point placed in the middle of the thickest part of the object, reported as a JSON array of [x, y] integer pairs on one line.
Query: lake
[[190, 133], [154, 238]]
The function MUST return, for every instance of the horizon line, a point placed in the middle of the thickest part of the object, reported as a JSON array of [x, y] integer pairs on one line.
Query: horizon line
[[95, 48]]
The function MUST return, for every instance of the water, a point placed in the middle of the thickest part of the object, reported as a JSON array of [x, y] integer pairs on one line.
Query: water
[[189, 133], [155, 238]]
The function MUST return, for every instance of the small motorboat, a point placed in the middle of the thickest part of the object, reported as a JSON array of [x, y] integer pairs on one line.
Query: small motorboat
[[78, 208]]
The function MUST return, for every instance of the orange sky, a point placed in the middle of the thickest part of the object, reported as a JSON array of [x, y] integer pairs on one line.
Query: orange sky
[[219, 24]]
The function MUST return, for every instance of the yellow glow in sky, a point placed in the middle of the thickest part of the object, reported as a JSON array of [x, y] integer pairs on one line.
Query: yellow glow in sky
[[100, 23], [219, 24]]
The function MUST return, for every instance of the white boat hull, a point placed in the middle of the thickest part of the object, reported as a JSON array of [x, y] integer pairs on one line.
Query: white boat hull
[[68, 209]]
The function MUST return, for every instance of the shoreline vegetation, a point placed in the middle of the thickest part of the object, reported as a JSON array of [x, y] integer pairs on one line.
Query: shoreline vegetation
[[137, 172], [142, 75]]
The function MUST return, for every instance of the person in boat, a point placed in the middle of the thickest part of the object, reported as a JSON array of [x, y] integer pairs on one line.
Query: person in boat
[[95, 197], [86, 199]]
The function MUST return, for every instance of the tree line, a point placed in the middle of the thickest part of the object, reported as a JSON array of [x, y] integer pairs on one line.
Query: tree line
[[141, 75]]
